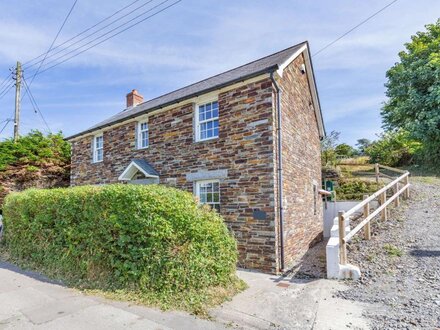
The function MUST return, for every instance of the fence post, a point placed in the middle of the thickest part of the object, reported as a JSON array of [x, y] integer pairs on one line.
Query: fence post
[[396, 190], [342, 244], [376, 171], [383, 199], [367, 229], [406, 181]]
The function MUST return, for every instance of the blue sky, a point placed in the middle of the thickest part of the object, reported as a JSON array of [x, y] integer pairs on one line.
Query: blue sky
[[196, 39]]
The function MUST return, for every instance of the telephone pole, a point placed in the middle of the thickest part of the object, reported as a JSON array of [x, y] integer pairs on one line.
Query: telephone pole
[[18, 74]]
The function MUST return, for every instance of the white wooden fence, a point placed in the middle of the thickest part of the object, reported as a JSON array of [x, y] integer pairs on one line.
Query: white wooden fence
[[337, 265]]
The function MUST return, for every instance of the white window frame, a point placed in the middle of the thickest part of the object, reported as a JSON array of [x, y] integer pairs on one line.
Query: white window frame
[[198, 185], [199, 122], [139, 134], [96, 149]]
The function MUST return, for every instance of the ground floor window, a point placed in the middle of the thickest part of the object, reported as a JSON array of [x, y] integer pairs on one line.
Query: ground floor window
[[208, 193]]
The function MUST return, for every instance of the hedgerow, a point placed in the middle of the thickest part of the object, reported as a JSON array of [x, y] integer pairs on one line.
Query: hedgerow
[[154, 241], [355, 189], [35, 148]]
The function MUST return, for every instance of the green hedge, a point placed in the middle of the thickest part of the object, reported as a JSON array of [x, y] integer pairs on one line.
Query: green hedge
[[355, 189], [35, 149], [148, 238]]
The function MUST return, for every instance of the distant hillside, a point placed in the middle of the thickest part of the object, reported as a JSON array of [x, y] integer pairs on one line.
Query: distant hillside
[[36, 160]]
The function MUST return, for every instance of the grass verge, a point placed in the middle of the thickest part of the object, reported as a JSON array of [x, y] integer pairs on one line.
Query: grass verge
[[197, 302]]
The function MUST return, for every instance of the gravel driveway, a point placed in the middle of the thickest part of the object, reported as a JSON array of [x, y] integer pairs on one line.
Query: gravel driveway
[[401, 263]]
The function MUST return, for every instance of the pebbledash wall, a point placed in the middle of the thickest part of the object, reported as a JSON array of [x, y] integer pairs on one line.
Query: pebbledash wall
[[243, 158]]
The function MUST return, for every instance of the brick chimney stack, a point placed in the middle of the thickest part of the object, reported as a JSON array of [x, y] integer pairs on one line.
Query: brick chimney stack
[[134, 98]]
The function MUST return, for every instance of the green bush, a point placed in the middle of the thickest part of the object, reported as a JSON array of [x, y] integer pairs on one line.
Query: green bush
[[150, 239], [35, 148], [354, 189], [393, 149]]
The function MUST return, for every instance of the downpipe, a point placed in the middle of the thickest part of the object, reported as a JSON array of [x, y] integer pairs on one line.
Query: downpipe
[[280, 171]]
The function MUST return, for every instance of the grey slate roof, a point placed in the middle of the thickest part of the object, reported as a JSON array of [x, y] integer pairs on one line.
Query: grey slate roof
[[263, 65], [145, 166]]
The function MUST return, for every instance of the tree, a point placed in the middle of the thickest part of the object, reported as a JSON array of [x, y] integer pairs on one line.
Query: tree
[[393, 149], [328, 145], [345, 150], [413, 88], [363, 144]]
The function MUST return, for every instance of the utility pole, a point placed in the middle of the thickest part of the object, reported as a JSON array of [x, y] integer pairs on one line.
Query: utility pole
[[18, 74]]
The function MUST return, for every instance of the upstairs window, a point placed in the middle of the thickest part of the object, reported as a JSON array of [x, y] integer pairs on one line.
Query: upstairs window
[[142, 138], [208, 193], [98, 148], [207, 121]]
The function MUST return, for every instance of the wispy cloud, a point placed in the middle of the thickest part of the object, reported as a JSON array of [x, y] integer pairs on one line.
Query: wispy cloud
[[197, 39], [352, 106]]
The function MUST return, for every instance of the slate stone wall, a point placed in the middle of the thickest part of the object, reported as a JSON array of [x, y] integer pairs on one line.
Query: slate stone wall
[[303, 218], [243, 158], [243, 151]]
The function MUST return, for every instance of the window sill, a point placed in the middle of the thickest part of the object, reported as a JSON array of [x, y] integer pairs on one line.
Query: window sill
[[97, 161], [142, 148], [205, 140]]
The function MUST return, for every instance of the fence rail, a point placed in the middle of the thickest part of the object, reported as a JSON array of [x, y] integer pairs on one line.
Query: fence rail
[[381, 195]]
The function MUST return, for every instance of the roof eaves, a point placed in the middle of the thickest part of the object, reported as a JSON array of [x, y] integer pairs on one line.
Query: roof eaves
[[324, 133]]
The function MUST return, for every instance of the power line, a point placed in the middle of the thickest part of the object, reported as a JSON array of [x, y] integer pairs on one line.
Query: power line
[[28, 91], [6, 87], [35, 105], [7, 122], [4, 121], [354, 28], [86, 30], [53, 42], [115, 34], [111, 36], [6, 91], [5, 80], [91, 34]]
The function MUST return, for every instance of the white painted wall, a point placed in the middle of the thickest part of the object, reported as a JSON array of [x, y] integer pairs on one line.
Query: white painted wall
[[331, 211], [331, 229]]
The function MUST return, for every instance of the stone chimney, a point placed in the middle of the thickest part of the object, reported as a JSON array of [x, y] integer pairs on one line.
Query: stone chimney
[[134, 98]]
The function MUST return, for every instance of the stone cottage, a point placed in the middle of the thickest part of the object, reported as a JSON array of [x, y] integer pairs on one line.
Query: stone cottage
[[246, 142]]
